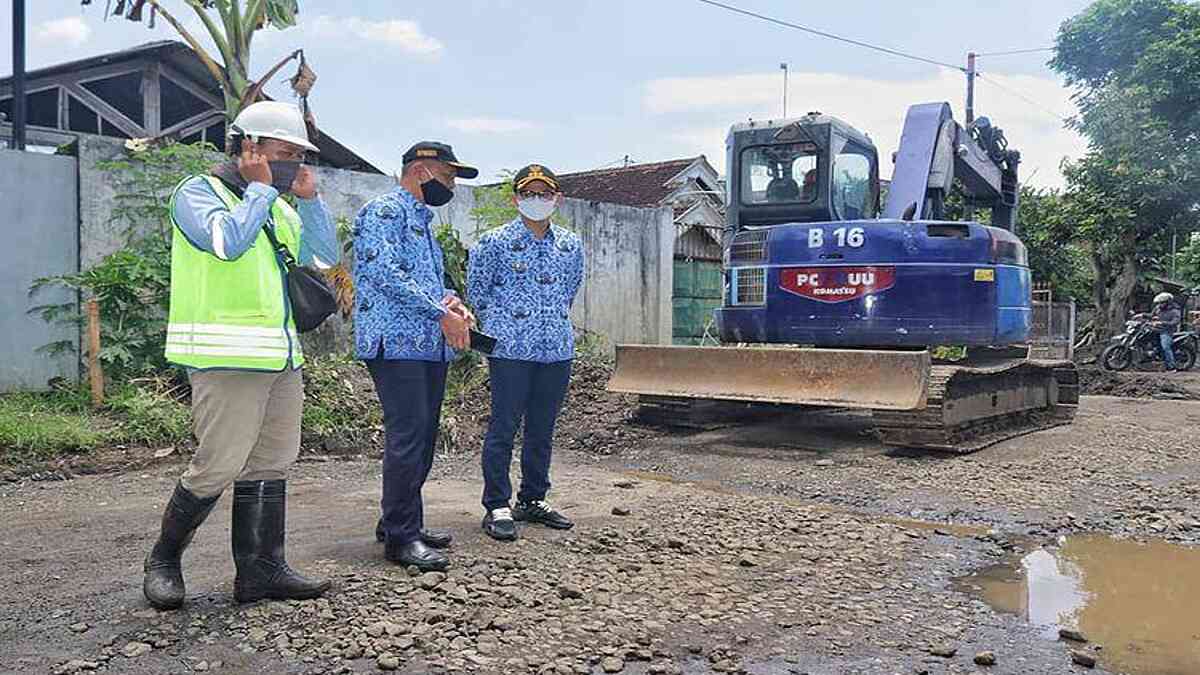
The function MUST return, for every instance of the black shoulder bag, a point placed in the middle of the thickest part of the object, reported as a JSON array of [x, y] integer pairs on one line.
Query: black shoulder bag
[[312, 299]]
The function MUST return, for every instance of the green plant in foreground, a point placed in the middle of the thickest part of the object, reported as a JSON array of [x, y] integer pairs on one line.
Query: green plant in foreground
[[131, 285]]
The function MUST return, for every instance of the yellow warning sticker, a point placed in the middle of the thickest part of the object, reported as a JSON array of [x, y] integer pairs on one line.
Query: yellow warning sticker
[[985, 275]]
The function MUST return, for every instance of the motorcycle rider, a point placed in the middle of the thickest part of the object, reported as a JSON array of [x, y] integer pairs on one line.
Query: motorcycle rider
[[1165, 320]]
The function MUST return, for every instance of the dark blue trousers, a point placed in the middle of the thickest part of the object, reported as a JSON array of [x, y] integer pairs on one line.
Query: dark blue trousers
[[411, 395], [532, 392]]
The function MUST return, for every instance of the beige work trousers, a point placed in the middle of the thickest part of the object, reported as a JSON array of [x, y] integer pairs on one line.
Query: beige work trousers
[[248, 425]]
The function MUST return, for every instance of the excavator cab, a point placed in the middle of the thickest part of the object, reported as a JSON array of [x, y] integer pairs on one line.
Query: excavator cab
[[814, 169]]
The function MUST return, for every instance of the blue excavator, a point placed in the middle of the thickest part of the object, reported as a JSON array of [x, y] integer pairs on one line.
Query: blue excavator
[[836, 302]]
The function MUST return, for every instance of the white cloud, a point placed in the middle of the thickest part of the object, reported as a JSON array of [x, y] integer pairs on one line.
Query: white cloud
[[70, 30], [707, 106], [407, 35], [487, 125]]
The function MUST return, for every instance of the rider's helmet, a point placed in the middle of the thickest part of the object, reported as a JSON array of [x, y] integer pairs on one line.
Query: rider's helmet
[[1163, 298]]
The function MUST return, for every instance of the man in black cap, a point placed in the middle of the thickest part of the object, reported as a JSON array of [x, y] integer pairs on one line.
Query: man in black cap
[[522, 280], [407, 326]]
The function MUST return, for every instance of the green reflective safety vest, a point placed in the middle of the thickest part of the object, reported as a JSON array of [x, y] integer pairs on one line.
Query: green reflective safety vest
[[233, 314]]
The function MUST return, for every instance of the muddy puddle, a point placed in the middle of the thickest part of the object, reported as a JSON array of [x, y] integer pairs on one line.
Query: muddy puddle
[[1139, 601]]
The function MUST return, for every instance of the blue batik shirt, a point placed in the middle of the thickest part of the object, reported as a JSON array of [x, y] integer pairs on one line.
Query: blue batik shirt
[[399, 281], [522, 289]]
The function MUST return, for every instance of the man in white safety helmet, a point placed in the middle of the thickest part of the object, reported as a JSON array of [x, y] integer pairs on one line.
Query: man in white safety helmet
[[231, 328], [1166, 320]]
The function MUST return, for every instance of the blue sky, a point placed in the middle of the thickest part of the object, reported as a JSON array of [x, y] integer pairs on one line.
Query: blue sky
[[583, 83]]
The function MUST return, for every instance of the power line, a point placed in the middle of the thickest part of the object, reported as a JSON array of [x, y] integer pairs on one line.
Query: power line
[[625, 161], [1023, 97], [893, 52], [1018, 51], [832, 36]]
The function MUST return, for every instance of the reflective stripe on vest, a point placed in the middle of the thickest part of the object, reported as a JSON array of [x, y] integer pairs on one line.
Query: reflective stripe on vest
[[233, 313]]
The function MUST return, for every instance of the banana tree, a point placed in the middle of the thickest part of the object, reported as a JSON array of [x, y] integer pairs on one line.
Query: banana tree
[[231, 24]]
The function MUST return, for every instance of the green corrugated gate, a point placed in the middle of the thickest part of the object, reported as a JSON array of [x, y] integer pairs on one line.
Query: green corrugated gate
[[697, 293]]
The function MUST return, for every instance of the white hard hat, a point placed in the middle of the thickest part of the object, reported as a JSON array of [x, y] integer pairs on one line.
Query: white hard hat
[[273, 119], [1163, 297]]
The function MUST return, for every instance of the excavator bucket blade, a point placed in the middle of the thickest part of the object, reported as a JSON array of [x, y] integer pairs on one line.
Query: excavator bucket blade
[[882, 380]]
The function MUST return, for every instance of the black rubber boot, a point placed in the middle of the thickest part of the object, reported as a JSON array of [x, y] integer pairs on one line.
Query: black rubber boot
[[259, 520], [163, 584]]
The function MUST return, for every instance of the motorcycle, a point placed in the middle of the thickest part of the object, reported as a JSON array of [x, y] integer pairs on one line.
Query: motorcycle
[[1139, 345]]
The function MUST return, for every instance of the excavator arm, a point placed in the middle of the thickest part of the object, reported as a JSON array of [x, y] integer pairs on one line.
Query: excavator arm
[[934, 150]]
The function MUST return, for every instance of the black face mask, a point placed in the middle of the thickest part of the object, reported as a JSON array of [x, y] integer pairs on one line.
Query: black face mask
[[434, 193], [283, 174]]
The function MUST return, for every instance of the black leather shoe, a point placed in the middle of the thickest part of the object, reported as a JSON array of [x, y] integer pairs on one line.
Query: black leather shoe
[[499, 525], [437, 538], [163, 584], [540, 512], [433, 538], [417, 554], [259, 520]]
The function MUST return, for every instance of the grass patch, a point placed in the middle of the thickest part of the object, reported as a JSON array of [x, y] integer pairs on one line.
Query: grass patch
[[949, 353], [41, 426]]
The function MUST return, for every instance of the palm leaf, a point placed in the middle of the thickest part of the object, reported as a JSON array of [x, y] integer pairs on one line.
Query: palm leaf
[[282, 13]]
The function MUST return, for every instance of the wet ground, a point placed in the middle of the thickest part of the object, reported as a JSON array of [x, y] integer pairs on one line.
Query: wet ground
[[1137, 600], [798, 545]]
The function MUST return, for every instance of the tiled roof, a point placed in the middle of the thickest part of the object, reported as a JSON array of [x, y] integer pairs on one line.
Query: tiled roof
[[634, 185]]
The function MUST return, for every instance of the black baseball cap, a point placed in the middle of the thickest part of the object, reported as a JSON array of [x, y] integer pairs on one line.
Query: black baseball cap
[[535, 172], [442, 153]]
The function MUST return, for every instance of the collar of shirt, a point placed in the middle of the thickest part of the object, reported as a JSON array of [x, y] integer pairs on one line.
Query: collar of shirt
[[521, 232], [419, 208]]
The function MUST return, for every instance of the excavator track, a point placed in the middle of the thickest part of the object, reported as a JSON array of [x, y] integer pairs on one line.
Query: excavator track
[[969, 408], [994, 395]]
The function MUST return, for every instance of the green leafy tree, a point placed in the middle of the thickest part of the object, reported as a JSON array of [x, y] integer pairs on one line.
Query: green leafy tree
[[493, 203], [1054, 257], [1133, 64], [231, 25]]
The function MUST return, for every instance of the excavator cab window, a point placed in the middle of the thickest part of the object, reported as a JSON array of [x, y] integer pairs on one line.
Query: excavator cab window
[[779, 174], [853, 192]]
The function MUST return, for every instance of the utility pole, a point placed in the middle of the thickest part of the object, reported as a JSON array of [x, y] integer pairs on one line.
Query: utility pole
[[18, 120], [783, 67], [970, 87], [1174, 249]]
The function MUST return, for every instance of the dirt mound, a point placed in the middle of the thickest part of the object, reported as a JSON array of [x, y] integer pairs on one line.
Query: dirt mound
[[1100, 382], [592, 420]]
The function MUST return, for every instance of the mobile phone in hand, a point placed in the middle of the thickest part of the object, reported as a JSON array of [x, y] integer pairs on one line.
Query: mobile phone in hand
[[483, 343]]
